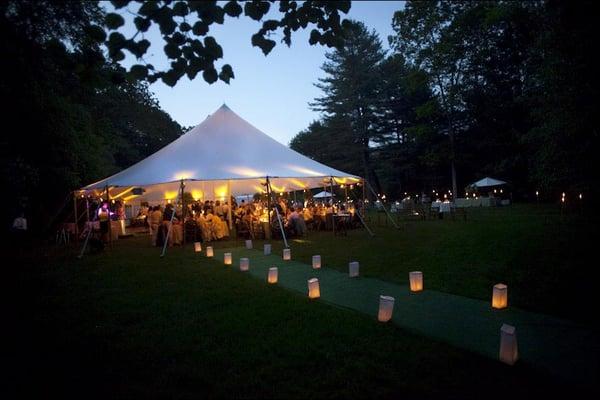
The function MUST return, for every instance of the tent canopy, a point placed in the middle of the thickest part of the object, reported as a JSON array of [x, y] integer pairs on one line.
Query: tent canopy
[[222, 156], [488, 182], [322, 195]]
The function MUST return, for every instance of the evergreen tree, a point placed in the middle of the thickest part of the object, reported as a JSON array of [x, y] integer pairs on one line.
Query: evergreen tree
[[350, 89]]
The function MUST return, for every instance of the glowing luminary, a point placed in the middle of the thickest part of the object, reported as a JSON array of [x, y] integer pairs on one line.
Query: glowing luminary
[[244, 264], [353, 269], [273, 275], [209, 251], [509, 351], [267, 249], [197, 247], [386, 308], [316, 262], [249, 244], [314, 291], [500, 296], [416, 281], [287, 254], [227, 258]]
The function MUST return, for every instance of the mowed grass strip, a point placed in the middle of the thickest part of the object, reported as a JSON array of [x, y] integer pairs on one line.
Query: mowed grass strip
[[129, 324]]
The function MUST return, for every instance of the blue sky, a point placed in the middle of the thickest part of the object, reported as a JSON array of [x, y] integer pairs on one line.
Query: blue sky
[[271, 92]]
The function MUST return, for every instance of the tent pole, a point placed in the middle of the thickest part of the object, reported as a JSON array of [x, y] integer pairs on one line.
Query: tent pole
[[281, 227], [364, 223], [90, 228], [164, 250], [364, 197], [346, 194], [87, 208], [109, 218], [383, 205], [269, 201], [183, 212], [332, 213], [76, 217], [229, 205], [278, 217], [362, 219]]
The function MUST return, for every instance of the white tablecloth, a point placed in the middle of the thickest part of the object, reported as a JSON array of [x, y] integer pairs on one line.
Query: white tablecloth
[[443, 207]]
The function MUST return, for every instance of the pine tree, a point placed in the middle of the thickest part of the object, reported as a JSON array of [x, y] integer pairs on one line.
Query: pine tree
[[350, 89]]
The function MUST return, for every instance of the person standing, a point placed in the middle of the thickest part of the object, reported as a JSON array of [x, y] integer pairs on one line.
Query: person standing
[[104, 218], [155, 219], [19, 228], [226, 212]]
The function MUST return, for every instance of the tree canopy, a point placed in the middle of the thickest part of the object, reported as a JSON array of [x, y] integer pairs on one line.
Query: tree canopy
[[184, 27], [471, 89]]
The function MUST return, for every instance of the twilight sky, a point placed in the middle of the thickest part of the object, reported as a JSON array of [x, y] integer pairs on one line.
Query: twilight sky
[[272, 92]]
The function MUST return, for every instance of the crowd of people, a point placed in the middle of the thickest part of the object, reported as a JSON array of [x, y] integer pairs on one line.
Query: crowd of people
[[210, 220], [204, 222]]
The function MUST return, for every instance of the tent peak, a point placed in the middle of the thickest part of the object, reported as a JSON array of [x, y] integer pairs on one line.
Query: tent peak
[[224, 107]]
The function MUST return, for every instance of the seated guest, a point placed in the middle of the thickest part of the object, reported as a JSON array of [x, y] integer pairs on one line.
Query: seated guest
[[293, 215], [201, 221], [290, 222], [307, 215], [221, 228]]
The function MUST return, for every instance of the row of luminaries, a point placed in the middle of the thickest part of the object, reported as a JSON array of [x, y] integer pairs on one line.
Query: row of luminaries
[[508, 338]]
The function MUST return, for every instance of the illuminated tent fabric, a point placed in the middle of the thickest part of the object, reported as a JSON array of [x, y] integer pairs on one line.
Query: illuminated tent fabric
[[488, 182], [322, 195], [221, 156]]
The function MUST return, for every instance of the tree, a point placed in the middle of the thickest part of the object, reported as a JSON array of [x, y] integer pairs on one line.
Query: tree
[[429, 36], [406, 110], [562, 94], [350, 89], [330, 141], [184, 23], [67, 122]]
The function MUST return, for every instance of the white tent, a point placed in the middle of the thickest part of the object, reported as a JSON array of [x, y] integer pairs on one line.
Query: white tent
[[322, 195], [222, 156], [488, 182]]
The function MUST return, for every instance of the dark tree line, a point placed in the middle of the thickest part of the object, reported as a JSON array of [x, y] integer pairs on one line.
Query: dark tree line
[[469, 89], [67, 120]]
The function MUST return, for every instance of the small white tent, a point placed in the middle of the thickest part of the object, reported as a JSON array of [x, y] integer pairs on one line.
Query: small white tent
[[322, 195], [222, 156], [488, 182]]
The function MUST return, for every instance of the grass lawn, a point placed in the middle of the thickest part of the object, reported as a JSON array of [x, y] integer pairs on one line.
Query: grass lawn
[[126, 323], [546, 261]]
